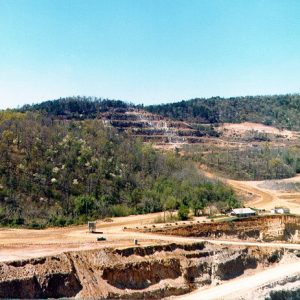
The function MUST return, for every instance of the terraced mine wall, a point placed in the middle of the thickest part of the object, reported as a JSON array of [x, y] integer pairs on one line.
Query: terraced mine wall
[[155, 128], [149, 272], [267, 228]]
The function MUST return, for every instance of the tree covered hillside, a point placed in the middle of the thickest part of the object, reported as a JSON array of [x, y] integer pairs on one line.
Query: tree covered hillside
[[259, 163], [282, 111], [59, 171], [76, 107]]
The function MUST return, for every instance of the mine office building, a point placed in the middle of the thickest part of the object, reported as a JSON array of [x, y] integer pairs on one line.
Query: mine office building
[[243, 212]]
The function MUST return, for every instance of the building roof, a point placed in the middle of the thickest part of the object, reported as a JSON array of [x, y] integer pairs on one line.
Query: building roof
[[241, 211]]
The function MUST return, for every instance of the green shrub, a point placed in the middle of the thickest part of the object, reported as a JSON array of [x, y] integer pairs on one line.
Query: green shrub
[[19, 221], [120, 210], [168, 218], [183, 212], [84, 204], [58, 221], [35, 225]]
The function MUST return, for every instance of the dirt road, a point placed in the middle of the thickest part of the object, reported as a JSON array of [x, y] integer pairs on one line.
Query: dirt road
[[26, 243], [262, 193], [18, 244], [266, 196]]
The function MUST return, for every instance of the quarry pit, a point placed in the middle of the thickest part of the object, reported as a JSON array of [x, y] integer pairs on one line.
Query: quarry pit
[[150, 272], [170, 261]]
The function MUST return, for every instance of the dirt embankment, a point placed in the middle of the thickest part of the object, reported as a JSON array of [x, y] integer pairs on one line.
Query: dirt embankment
[[149, 272], [268, 228]]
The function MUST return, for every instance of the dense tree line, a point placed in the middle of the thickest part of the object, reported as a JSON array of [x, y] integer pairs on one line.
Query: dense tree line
[[76, 107], [282, 111], [56, 171]]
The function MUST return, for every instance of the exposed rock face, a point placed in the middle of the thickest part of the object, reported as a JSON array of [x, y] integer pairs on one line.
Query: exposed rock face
[[269, 228], [143, 272], [39, 278], [155, 128]]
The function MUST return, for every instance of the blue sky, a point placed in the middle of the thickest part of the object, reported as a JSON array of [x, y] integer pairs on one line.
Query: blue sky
[[147, 51]]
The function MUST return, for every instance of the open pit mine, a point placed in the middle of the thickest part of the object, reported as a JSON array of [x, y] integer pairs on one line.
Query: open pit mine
[[207, 259], [151, 272]]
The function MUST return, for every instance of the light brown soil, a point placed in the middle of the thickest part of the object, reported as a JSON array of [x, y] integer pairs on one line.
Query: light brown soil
[[18, 244], [28, 243], [25, 243], [267, 198], [242, 128], [263, 197]]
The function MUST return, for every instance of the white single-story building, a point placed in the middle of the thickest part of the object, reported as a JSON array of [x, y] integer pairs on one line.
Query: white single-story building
[[280, 210], [243, 212]]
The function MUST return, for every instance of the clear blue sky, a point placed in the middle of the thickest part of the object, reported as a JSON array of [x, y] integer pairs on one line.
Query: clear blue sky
[[147, 51]]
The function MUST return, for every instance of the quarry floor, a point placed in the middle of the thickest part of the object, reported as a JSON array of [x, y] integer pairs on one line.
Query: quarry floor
[[27, 243], [16, 244]]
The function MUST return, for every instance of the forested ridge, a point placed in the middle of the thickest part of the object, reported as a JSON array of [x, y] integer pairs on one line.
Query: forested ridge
[[59, 171], [282, 111], [76, 107]]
